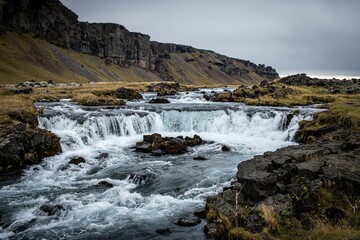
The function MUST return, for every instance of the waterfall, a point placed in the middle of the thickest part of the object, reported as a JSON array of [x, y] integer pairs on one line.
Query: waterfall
[[95, 127]]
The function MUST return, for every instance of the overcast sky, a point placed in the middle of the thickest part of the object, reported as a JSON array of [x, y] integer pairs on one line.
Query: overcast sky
[[319, 37]]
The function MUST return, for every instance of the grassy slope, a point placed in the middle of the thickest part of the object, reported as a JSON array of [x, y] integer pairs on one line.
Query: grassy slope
[[23, 57]]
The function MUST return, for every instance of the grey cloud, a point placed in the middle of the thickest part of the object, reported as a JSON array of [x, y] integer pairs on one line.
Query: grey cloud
[[318, 36]]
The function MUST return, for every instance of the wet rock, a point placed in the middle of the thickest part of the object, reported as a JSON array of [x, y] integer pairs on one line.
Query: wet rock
[[51, 209], [200, 214], [225, 148], [21, 146], [129, 94], [207, 97], [164, 231], [151, 138], [157, 152], [334, 86], [188, 221], [102, 156], [159, 100], [196, 140], [201, 158], [143, 147], [157, 145], [77, 160], [22, 226], [105, 184]]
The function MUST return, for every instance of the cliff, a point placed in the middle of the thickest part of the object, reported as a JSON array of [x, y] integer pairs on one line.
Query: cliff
[[51, 21]]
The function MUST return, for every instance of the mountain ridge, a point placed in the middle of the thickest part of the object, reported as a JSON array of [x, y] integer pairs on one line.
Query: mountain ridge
[[53, 22]]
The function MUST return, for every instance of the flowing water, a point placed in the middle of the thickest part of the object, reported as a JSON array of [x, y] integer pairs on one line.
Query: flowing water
[[175, 185]]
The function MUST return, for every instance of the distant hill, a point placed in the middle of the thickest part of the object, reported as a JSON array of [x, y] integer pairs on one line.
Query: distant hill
[[43, 39]]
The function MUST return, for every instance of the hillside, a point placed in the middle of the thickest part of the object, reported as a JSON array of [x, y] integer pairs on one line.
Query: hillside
[[42, 39]]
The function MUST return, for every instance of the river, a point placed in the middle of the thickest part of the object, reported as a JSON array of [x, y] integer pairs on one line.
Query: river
[[175, 185]]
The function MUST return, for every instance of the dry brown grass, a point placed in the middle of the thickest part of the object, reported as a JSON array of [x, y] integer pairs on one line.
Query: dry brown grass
[[325, 231], [88, 99], [269, 217], [17, 108]]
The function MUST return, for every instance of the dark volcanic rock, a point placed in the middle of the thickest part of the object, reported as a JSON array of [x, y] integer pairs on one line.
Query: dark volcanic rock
[[188, 221], [159, 100], [21, 146], [200, 158], [77, 160], [331, 85], [288, 181], [157, 145], [225, 148], [196, 140], [51, 209], [129, 94], [105, 184]]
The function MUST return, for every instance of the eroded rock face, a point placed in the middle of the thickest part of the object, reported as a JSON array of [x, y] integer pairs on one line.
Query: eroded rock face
[[287, 182], [52, 21], [21, 146]]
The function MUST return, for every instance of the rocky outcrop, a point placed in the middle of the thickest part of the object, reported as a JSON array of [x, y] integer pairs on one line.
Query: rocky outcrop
[[256, 91], [157, 145], [295, 182], [52, 21], [126, 93], [331, 85], [159, 100], [21, 146]]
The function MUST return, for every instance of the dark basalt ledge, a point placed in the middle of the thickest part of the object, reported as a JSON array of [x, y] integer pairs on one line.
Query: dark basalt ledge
[[289, 182], [158, 145], [21, 146], [52, 21]]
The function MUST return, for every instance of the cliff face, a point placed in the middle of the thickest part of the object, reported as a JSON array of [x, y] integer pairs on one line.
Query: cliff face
[[50, 20]]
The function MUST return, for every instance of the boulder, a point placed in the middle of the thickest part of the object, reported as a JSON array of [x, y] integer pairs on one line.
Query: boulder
[[151, 138], [201, 158], [143, 147], [126, 93], [105, 184], [159, 100], [51, 209], [196, 140], [157, 145], [188, 221], [76, 160], [225, 148], [21, 146]]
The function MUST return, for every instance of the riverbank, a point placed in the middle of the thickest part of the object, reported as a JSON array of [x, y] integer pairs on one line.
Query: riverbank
[[309, 191]]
